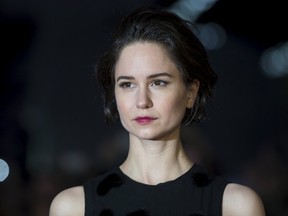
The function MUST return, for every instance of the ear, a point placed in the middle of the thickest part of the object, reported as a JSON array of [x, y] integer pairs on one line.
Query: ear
[[192, 91]]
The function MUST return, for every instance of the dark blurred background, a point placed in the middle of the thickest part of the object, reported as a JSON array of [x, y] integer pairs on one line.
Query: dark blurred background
[[52, 129]]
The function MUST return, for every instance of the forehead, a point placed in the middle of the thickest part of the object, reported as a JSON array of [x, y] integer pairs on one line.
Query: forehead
[[144, 56]]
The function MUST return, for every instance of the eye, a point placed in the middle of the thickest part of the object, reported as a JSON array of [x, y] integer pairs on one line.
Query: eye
[[159, 83], [125, 85]]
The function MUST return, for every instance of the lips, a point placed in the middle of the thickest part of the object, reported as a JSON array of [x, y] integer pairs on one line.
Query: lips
[[144, 120]]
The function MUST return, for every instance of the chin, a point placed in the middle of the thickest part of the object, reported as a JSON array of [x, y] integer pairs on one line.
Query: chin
[[151, 136], [144, 134]]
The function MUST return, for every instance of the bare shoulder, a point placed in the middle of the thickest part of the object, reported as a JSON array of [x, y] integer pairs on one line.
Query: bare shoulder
[[68, 202], [241, 200]]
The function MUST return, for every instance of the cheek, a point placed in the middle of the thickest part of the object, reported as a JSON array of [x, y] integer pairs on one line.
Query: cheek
[[175, 105], [122, 106]]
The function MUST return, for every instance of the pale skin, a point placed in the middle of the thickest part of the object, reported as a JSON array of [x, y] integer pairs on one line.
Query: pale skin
[[151, 99]]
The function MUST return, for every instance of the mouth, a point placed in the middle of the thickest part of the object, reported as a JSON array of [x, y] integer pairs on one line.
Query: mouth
[[143, 120]]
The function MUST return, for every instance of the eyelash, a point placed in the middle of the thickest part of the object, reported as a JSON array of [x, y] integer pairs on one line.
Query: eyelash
[[125, 85], [160, 83]]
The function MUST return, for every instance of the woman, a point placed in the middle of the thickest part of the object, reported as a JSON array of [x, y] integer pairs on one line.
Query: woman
[[156, 78]]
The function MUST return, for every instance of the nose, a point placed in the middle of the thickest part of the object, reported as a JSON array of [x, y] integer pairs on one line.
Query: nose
[[143, 99]]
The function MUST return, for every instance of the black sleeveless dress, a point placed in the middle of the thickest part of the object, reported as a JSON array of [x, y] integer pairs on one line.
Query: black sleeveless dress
[[195, 193]]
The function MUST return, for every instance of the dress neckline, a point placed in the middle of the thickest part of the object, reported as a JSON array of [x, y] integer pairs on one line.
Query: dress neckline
[[127, 179]]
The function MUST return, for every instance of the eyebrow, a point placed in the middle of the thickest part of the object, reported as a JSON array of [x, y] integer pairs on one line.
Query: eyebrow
[[149, 77]]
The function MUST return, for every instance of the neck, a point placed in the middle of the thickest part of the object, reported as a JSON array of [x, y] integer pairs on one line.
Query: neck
[[153, 162]]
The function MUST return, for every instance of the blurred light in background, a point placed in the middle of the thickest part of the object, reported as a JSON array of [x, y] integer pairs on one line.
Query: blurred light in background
[[274, 61], [191, 9], [212, 35], [4, 170]]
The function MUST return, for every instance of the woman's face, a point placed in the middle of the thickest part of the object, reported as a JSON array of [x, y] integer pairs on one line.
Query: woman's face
[[150, 94]]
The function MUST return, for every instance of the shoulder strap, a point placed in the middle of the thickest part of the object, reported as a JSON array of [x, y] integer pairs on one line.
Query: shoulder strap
[[212, 188], [89, 198]]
